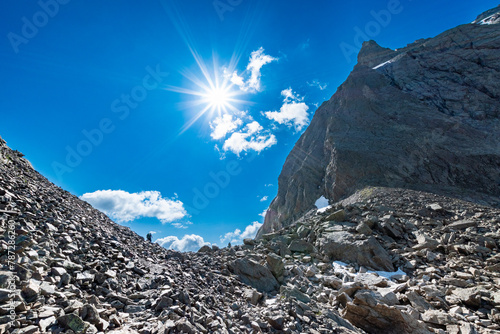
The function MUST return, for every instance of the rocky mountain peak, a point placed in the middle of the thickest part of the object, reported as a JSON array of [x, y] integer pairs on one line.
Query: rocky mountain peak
[[423, 117], [372, 54]]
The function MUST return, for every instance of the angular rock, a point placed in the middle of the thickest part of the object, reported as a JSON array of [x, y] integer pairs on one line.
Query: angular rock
[[344, 247], [254, 274], [301, 246], [368, 313]]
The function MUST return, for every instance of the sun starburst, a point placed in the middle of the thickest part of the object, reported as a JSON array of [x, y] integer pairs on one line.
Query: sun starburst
[[213, 92]]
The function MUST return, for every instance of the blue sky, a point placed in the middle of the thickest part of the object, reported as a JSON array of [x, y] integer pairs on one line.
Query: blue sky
[[177, 116]]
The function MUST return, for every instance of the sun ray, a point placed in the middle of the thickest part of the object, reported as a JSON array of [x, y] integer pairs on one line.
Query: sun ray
[[212, 89]]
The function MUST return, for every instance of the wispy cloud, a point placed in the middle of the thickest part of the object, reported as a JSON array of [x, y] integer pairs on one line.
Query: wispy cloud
[[293, 112], [181, 224], [253, 83], [123, 206], [237, 236], [264, 198], [251, 138], [316, 83], [304, 45], [188, 243]]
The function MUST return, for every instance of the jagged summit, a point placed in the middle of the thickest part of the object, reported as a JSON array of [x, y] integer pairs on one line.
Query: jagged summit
[[424, 117]]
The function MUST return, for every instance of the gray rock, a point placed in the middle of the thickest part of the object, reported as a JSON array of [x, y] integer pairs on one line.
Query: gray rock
[[301, 246], [254, 274], [276, 265], [344, 247], [368, 312], [73, 322], [438, 317], [293, 292]]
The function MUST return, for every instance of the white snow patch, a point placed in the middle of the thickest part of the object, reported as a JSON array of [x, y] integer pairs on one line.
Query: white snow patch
[[390, 61], [383, 64], [271, 301], [342, 268], [322, 204], [492, 19]]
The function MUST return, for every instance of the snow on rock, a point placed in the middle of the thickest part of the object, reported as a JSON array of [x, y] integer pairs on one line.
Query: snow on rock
[[345, 270]]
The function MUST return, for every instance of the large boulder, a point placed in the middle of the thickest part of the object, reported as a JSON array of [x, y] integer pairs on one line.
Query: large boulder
[[254, 274], [342, 246], [370, 313]]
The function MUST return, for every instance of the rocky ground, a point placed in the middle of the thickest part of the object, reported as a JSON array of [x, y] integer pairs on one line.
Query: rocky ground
[[382, 261]]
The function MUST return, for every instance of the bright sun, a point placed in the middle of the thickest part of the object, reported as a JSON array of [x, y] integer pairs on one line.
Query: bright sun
[[217, 97], [216, 93]]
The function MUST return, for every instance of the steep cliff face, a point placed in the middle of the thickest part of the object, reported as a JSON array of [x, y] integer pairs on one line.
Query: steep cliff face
[[424, 117]]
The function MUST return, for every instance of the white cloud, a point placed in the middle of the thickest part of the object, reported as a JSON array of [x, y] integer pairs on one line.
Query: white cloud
[[123, 206], [152, 232], [289, 95], [237, 236], [264, 198], [263, 213], [316, 83], [181, 224], [268, 185], [292, 112], [257, 60], [250, 138], [188, 243], [223, 125]]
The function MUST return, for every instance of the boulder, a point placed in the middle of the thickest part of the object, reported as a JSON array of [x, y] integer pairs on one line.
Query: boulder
[[254, 274], [342, 246], [368, 312]]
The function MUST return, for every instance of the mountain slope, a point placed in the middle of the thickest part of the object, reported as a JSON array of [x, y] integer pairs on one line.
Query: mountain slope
[[67, 268], [423, 117]]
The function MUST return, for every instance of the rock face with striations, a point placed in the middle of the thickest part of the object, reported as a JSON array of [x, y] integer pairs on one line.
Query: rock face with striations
[[424, 117]]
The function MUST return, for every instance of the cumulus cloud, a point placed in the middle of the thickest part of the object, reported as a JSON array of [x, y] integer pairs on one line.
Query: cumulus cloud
[[223, 125], [251, 137], [263, 213], [316, 83], [237, 236], [293, 112], [264, 198], [252, 84], [188, 243], [123, 206]]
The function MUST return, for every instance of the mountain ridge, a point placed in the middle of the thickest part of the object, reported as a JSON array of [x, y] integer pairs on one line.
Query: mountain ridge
[[423, 117]]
